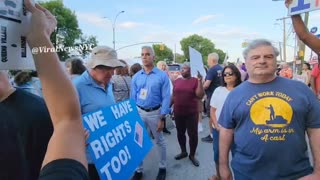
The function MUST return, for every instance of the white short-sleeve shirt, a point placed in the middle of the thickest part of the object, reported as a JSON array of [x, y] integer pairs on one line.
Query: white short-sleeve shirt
[[217, 99]]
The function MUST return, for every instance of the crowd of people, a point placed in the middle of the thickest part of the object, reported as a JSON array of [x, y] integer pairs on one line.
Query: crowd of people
[[256, 111]]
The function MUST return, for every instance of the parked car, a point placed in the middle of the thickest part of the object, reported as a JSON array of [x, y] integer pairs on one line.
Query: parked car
[[174, 71]]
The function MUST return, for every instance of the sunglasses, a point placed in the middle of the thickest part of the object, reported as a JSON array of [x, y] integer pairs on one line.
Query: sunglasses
[[145, 54], [228, 74]]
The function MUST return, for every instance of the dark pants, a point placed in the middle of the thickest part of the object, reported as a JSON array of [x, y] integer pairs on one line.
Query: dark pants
[[187, 123], [93, 174], [207, 106]]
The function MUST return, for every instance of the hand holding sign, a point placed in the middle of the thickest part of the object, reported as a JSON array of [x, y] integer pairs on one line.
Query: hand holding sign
[[287, 3], [199, 76], [301, 6]]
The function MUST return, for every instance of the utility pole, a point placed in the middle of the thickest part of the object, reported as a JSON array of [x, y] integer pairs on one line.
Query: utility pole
[[284, 49], [280, 50]]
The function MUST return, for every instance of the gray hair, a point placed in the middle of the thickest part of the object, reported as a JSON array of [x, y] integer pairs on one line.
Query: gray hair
[[257, 43], [161, 63], [214, 56], [150, 49], [186, 64]]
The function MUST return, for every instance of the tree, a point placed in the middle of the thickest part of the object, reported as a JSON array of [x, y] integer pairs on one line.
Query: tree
[[163, 53], [85, 44], [67, 30], [180, 58], [201, 44]]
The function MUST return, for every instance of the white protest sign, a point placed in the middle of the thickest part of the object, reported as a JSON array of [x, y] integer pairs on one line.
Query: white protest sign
[[14, 24], [196, 63], [301, 6]]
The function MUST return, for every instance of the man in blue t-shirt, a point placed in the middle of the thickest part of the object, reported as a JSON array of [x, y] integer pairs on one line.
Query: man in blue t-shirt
[[266, 118], [212, 81]]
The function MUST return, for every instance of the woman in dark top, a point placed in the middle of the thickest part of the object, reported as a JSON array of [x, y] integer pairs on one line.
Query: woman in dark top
[[186, 93]]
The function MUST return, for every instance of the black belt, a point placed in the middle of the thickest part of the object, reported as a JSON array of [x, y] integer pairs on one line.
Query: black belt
[[150, 109]]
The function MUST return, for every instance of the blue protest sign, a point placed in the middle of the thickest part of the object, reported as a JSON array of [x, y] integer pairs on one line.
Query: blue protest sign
[[118, 140], [301, 6]]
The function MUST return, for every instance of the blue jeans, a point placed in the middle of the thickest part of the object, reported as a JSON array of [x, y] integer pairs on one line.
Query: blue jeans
[[215, 136]]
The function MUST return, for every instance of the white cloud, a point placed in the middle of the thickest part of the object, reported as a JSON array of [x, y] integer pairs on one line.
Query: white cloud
[[94, 19], [129, 25], [100, 21], [203, 19]]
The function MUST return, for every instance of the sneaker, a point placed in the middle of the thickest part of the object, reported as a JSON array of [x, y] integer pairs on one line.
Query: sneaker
[[137, 176], [207, 139], [162, 174], [200, 128]]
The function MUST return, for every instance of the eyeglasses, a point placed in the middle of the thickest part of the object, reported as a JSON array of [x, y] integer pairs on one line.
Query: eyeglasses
[[228, 74], [145, 54]]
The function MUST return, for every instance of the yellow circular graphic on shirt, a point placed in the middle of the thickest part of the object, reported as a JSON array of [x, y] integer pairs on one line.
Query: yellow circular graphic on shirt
[[272, 112]]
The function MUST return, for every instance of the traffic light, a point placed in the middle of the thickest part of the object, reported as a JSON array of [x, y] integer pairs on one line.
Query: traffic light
[[301, 53], [161, 47]]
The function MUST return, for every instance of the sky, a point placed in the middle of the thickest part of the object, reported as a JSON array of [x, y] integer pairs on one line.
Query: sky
[[226, 23]]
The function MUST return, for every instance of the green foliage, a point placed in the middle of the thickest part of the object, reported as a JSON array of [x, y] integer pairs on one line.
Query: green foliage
[[201, 44], [163, 55], [67, 28], [86, 42], [222, 55], [180, 58]]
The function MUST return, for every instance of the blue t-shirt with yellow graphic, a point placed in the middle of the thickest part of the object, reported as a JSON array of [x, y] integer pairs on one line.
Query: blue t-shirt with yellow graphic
[[269, 122]]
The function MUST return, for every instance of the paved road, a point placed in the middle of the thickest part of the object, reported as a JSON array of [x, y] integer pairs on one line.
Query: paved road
[[182, 169]]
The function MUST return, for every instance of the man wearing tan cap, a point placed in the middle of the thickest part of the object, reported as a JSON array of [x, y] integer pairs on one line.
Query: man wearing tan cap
[[94, 87]]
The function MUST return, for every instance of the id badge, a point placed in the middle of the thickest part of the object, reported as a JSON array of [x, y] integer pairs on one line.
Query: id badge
[[143, 94]]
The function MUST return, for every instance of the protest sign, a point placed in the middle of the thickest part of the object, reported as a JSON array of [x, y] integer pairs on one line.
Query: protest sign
[[118, 140], [196, 63], [301, 6], [14, 24]]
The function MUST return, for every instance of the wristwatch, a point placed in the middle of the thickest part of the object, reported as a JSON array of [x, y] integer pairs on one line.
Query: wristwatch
[[163, 118]]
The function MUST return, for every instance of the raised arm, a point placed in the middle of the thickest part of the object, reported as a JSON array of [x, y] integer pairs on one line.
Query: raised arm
[[67, 141], [304, 35]]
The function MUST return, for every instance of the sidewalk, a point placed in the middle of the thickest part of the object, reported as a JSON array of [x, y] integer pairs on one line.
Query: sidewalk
[[182, 169]]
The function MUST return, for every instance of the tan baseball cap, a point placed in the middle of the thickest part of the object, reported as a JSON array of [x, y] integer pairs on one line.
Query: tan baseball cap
[[105, 56]]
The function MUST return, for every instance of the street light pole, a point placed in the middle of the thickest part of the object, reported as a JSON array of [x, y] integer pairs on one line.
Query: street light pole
[[114, 29]]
